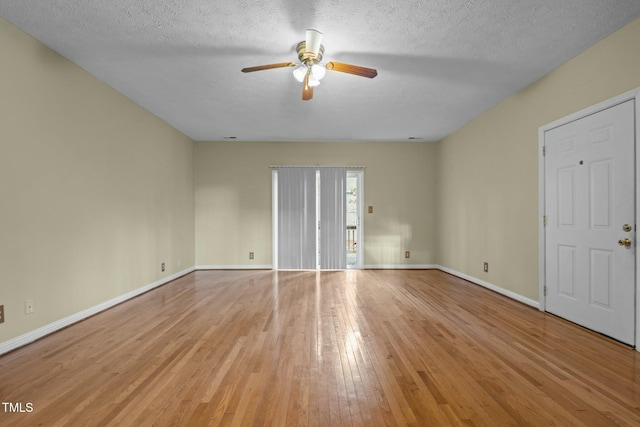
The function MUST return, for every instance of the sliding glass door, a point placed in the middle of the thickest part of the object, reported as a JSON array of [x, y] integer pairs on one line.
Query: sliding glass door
[[316, 218]]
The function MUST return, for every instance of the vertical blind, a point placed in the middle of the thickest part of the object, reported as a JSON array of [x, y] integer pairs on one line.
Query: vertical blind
[[333, 213], [299, 224], [297, 218]]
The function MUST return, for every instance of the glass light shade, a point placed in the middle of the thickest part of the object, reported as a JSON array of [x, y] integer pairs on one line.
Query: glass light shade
[[313, 81], [300, 72], [318, 71]]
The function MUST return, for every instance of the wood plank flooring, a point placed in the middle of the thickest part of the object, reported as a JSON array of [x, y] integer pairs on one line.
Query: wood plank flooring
[[348, 348]]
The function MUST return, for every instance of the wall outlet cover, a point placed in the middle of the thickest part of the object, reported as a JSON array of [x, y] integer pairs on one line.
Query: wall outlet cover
[[28, 306]]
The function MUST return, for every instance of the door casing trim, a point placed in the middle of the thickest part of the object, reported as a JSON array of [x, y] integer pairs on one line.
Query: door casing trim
[[632, 95]]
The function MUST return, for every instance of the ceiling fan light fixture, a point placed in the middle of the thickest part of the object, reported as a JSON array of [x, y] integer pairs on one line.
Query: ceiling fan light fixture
[[318, 71], [310, 70], [313, 81], [299, 72]]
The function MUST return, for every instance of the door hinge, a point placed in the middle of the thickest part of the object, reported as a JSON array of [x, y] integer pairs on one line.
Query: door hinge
[[544, 220], [544, 150], [544, 291]]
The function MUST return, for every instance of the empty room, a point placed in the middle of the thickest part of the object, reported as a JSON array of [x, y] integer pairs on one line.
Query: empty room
[[319, 213]]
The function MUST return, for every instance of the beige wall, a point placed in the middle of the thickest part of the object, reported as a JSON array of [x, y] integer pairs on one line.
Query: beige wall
[[487, 200], [95, 191], [233, 197]]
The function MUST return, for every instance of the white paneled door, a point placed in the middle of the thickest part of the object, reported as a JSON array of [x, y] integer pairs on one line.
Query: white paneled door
[[590, 231]]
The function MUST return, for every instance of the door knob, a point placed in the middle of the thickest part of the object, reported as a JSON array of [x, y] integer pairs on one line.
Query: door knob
[[625, 242]]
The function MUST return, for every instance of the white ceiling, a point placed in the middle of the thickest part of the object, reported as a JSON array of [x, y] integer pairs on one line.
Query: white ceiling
[[440, 62]]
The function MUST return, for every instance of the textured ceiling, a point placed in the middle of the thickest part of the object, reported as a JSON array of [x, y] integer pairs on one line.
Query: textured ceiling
[[440, 62]]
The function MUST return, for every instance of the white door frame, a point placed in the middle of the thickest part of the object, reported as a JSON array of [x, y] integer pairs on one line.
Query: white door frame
[[627, 96], [274, 219], [360, 228]]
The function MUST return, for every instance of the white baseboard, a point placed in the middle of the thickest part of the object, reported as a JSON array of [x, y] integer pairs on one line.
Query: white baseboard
[[401, 267], [36, 334], [492, 287], [234, 267], [270, 267]]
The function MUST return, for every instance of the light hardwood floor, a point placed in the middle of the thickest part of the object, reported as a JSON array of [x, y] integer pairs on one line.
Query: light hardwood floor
[[369, 347]]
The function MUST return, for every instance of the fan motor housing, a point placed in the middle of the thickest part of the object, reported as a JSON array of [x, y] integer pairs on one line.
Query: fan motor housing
[[308, 57]]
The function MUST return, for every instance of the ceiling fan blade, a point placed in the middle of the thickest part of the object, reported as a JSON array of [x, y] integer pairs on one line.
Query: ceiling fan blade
[[268, 67], [307, 91], [352, 69]]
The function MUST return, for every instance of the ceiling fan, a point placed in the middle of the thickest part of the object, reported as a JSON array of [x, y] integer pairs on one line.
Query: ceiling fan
[[309, 71]]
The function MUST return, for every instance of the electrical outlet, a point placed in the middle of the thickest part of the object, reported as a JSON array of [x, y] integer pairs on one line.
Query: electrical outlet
[[1, 313], [486, 267], [370, 209], [162, 267], [28, 306], [250, 255], [407, 254]]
